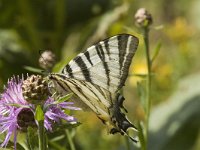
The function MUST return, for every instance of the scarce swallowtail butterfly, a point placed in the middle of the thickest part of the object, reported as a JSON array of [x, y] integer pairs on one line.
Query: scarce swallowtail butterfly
[[97, 75]]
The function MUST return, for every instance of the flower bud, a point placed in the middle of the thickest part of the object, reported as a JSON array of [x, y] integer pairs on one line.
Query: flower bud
[[47, 59], [143, 17], [35, 89]]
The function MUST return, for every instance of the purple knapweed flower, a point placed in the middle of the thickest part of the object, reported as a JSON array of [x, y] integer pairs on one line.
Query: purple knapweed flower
[[16, 114], [55, 112]]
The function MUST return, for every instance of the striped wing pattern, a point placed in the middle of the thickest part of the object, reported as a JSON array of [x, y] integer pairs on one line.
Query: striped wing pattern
[[96, 75], [96, 98], [105, 64]]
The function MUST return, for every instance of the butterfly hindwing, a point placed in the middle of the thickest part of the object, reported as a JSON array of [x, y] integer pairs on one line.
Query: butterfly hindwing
[[95, 97]]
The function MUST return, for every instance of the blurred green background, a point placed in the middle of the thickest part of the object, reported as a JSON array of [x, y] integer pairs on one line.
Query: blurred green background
[[68, 27]]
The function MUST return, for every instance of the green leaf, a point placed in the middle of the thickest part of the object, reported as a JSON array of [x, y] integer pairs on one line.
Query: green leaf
[[60, 65], [32, 138], [159, 27], [39, 115], [21, 142], [56, 146], [176, 122], [57, 138], [69, 126], [59, 135], [32, 69], [64, 98], [17, 105], [156, 52]]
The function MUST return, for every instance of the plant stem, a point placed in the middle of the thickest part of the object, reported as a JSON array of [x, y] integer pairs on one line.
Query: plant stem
[[127, 143], [41, 134], [148, 84], [71, 143]]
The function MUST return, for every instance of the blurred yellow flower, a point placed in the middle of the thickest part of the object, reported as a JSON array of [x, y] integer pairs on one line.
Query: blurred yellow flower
[[164, 72], [180, 30], [139, 68]]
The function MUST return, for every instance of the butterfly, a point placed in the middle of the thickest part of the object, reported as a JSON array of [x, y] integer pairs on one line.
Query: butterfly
[[96, 77]]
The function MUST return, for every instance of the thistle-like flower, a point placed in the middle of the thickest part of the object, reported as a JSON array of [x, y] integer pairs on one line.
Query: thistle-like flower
[[17, 114]]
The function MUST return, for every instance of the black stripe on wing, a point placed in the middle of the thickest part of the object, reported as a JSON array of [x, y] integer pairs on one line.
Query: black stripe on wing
[[87, 55], [117, 50], [127, 44], [122, 44], [83, 68], [107, 47], [101, 55], [68, 69]]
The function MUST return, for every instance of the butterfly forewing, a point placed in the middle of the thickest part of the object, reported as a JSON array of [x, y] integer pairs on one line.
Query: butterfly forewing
[[96, 75], [105, 64]]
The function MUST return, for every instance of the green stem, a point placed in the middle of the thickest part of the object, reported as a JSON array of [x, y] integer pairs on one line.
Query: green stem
[[127, 143], [141, 136], [148, 84], [71, 143], [41, 134]]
